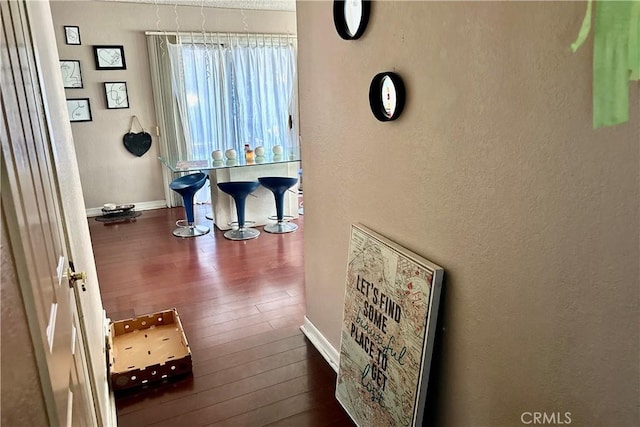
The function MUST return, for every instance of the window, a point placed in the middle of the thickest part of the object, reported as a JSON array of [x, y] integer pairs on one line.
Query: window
[[220, 91], [235, 92]]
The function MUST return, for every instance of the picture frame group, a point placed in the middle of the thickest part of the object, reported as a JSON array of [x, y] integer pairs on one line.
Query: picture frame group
[[107, 57]]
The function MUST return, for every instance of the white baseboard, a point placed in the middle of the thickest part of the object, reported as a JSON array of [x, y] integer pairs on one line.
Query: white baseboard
[[140, 206], [331, 355]]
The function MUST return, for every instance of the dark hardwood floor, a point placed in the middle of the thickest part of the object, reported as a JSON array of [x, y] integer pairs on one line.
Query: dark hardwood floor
[[241, 305]]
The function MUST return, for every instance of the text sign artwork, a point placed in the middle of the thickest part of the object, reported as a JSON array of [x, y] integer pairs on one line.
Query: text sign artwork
[[390, 313]]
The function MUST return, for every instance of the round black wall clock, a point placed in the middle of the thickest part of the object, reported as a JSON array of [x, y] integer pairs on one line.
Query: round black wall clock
[[351, 17], [386, 96]]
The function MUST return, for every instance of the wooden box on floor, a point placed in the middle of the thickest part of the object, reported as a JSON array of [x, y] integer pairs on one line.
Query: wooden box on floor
[[146, 349]]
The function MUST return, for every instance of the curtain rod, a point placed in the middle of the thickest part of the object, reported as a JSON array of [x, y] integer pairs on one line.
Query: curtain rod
[[216, 33]]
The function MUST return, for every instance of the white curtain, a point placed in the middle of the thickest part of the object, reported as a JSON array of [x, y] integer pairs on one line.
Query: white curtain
[[171, 140], [264, 76], [233, 92]]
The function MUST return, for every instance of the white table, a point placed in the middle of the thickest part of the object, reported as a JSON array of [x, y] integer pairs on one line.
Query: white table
[[261, 204]]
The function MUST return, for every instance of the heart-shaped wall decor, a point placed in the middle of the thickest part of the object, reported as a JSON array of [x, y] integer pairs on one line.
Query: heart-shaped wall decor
[[137, 143]]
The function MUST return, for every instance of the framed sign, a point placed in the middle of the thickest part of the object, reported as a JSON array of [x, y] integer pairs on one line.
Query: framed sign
[[116, 95], [71, 74], [109, 58], [79, 109], [389, 324]]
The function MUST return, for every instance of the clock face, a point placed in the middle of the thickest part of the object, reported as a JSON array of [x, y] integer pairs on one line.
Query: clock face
[[353, 15], [389, 98], [386, 96], [350, 17]]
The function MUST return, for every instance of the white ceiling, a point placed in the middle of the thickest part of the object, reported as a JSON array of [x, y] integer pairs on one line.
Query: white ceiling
[[285, 5]]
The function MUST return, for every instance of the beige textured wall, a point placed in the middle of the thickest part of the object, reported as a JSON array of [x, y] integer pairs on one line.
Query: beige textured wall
[[494, 172], [22, 401], [108, 172]]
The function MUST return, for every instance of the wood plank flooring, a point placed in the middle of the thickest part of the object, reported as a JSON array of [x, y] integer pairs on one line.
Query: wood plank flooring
[[241, 305]]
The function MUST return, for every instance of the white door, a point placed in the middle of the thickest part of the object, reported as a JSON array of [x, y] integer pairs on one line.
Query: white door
[[46, 223], [91, 312]]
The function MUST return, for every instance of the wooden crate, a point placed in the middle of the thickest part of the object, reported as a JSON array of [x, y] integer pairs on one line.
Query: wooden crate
[[146, 349]]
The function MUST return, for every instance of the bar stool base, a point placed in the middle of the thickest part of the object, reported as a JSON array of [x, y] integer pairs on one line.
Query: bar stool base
[[242, 234], [280, 227], [191, 231]]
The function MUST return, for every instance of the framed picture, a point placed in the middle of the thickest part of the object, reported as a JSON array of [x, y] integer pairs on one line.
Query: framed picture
[[116, 95], [71, 74], [109, 57], [390, 315], [79, 109], [72, 34]]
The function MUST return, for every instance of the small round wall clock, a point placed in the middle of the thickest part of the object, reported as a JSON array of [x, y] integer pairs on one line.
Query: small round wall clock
[[351, 17], [386, 96]]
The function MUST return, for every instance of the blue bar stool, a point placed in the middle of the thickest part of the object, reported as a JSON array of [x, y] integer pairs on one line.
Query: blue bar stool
[[239, 190], [278, 186], [187, 186]]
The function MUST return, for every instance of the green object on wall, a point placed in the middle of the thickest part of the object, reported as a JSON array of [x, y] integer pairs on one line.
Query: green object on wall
[[616, 57]]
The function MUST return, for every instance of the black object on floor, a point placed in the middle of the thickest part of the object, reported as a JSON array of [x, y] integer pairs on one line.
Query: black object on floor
[[122, 216]]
